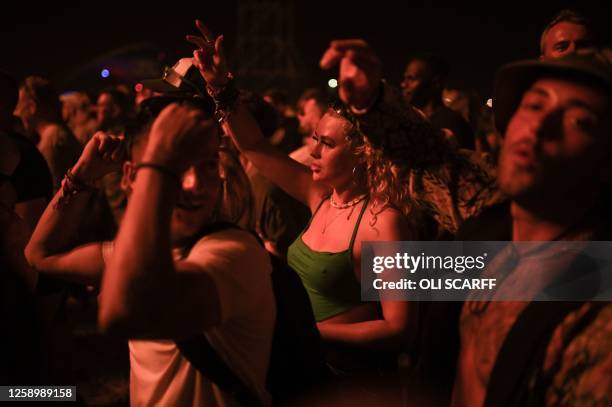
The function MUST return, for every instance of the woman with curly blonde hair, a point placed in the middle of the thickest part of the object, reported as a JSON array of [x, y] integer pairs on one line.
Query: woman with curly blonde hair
[[356, 189], [327, 254]]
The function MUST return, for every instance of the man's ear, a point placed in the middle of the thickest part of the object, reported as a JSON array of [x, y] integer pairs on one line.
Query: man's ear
[[127, 177]]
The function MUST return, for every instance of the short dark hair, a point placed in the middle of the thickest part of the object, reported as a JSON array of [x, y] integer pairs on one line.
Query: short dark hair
[[9, 92], [567, 16], [437, 67], [137, 130], [317, 95], [44, 94], [119, 98]]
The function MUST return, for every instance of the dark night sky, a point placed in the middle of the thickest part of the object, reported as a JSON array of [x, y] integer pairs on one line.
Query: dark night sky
[[52, 39]]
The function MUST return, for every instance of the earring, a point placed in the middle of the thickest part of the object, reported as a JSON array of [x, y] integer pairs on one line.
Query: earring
[[357, 174]]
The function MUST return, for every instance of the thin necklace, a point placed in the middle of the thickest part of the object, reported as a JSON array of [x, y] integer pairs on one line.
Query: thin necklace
[[348, 204], [345, 206]]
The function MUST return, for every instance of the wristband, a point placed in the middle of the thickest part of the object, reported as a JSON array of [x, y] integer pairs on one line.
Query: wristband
[[70, 187], [161, 169], [225, 99]]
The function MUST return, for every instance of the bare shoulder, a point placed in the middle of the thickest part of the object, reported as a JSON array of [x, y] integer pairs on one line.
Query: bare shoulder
[[386, 223]]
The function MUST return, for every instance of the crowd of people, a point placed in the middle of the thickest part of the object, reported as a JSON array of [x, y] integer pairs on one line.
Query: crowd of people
[[180, 208]]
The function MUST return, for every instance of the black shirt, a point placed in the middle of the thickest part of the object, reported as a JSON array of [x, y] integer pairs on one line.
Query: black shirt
[[445, 118], [31, 178]]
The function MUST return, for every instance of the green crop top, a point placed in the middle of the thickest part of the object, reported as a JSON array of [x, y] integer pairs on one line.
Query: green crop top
[[328, 277]]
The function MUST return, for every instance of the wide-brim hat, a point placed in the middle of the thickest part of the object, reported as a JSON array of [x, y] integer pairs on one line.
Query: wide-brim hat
[[512, 80]]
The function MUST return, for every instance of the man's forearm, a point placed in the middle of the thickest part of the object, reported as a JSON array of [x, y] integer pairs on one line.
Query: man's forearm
[[375, 334], [58, 227], [141, 268], [243, 129]]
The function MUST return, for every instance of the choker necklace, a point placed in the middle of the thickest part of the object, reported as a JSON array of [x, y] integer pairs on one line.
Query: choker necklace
[[336, 205], [354, 202]]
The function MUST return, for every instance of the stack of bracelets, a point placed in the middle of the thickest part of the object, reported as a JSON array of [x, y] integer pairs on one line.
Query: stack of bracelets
[[225, 98], [71, 186]]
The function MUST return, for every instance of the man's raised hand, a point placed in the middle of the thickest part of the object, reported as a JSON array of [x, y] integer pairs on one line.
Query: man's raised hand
[[360, 70]]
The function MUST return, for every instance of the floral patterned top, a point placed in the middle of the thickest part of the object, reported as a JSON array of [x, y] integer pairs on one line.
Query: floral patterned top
[[577, 365], [448, 184]]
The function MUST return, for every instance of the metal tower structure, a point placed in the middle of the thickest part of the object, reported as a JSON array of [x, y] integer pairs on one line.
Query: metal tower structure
[[265, 54]]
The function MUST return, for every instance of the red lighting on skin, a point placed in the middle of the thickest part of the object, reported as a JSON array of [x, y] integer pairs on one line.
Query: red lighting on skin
[[138, 87]]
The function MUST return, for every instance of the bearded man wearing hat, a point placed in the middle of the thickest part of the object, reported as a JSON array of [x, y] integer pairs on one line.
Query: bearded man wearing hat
[[556, 168]]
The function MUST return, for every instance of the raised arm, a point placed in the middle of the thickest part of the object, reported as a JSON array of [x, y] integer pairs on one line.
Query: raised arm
[[144, 292], [382, 115], [288, 174], [54, 246], [448, 185]]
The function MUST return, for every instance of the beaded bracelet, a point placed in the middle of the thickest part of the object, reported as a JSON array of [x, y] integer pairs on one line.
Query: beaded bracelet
[[78, 183], [225, 98], [71, 186]]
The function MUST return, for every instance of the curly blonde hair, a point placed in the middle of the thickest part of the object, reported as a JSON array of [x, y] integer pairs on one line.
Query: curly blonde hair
[[237, 203], [384, 180]]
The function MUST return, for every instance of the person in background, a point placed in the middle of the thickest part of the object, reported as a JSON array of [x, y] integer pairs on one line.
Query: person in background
[[77, 113], [113, 114], [286, 137], [422, 86], [40, 111], [311, 105], [488, 139], [38, 107], [21, 344], [279, 218], [31, 179], [566, 33], [113, 110], [465, 102]]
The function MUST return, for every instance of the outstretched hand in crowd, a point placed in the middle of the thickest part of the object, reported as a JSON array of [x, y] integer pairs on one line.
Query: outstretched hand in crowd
[[360, 71]]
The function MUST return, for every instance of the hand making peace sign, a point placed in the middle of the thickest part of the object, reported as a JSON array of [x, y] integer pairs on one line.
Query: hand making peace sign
[[209, 57]]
